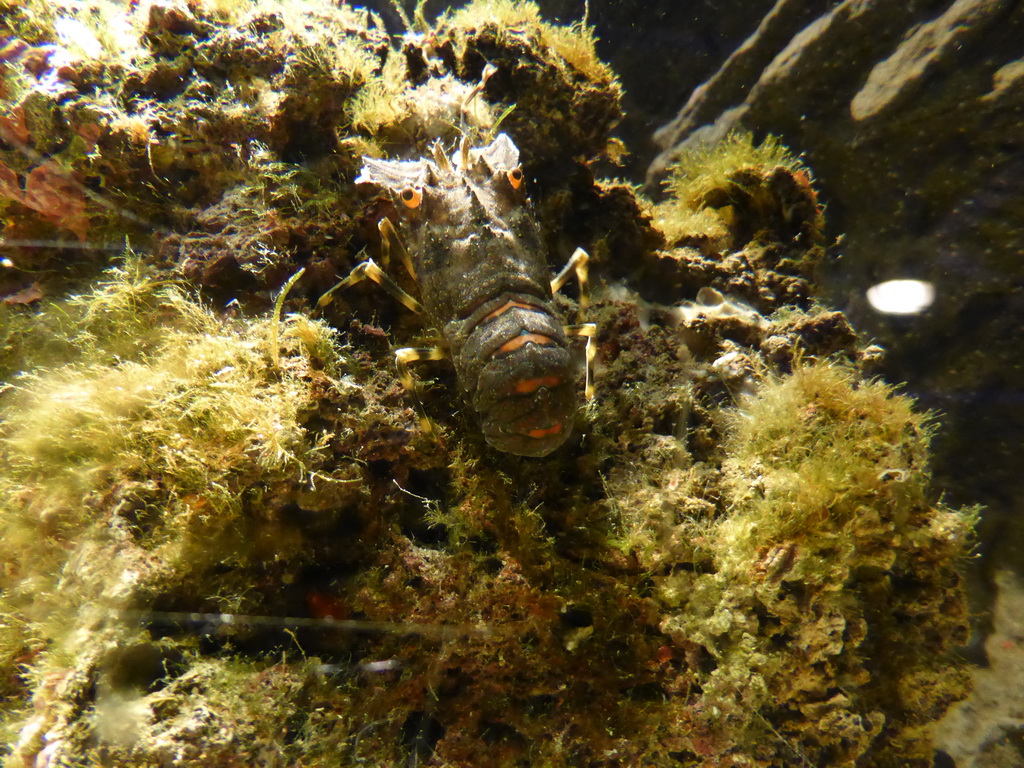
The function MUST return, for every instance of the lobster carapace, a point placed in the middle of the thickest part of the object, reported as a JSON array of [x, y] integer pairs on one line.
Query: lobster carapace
[[476, 251]]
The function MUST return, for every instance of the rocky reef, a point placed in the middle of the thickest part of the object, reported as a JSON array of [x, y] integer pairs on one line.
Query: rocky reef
[[230, 537], [912, 135]]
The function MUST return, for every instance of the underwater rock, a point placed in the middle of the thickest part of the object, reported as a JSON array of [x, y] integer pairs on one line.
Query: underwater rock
[[984, 729], [907, 138], [907, 135], [231, 537]]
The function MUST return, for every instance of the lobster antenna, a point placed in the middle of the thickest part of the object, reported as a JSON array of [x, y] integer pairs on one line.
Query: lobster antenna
[[489, 69]]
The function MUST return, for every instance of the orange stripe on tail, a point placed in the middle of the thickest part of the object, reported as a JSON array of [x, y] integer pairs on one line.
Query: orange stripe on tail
[[526, 386], [554, 429], [518, 341]]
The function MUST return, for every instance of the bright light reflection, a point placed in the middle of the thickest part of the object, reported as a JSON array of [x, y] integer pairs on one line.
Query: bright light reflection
[[74, 34], [901, 297]]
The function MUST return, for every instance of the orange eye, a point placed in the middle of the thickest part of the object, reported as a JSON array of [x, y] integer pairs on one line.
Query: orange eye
[[515, 177], [411, 197]]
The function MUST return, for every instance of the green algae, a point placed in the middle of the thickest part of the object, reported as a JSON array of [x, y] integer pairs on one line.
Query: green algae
[[826, 487], [721, 195]]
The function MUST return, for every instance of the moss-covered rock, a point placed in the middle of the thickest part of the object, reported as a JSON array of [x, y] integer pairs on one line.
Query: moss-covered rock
[[230, 536]]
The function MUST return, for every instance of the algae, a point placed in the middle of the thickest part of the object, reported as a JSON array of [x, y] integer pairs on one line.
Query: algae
[[724, 196], [227, 537]]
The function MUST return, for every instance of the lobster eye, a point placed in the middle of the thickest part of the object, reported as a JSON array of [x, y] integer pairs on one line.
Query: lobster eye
[[515, 177], [411, 197]]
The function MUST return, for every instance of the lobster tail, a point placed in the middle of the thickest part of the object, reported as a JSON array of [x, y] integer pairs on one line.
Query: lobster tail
[[518, 373]]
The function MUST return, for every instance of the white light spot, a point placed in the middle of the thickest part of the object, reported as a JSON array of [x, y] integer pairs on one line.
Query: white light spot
[[75, 35], [901, 297]]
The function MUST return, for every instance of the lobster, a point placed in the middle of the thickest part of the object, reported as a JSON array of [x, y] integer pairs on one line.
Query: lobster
[[476, 252]]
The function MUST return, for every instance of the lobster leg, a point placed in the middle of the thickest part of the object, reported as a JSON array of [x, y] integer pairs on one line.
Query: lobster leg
[[369, 270], [387, 234], [407, 355], [588, 331], [580, 263]]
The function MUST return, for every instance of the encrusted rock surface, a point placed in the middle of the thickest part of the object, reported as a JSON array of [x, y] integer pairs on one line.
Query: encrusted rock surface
[[910, 115], [986, 729], [911, 134], [229, 536]]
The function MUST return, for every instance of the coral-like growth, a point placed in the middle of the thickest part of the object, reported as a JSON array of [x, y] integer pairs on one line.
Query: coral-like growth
[[857, 446], [122, 123], [790, 606], [734, 196], [437, 88], [728, 180], [551, 74], [573, 46], [829, 533], [702, 173]]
